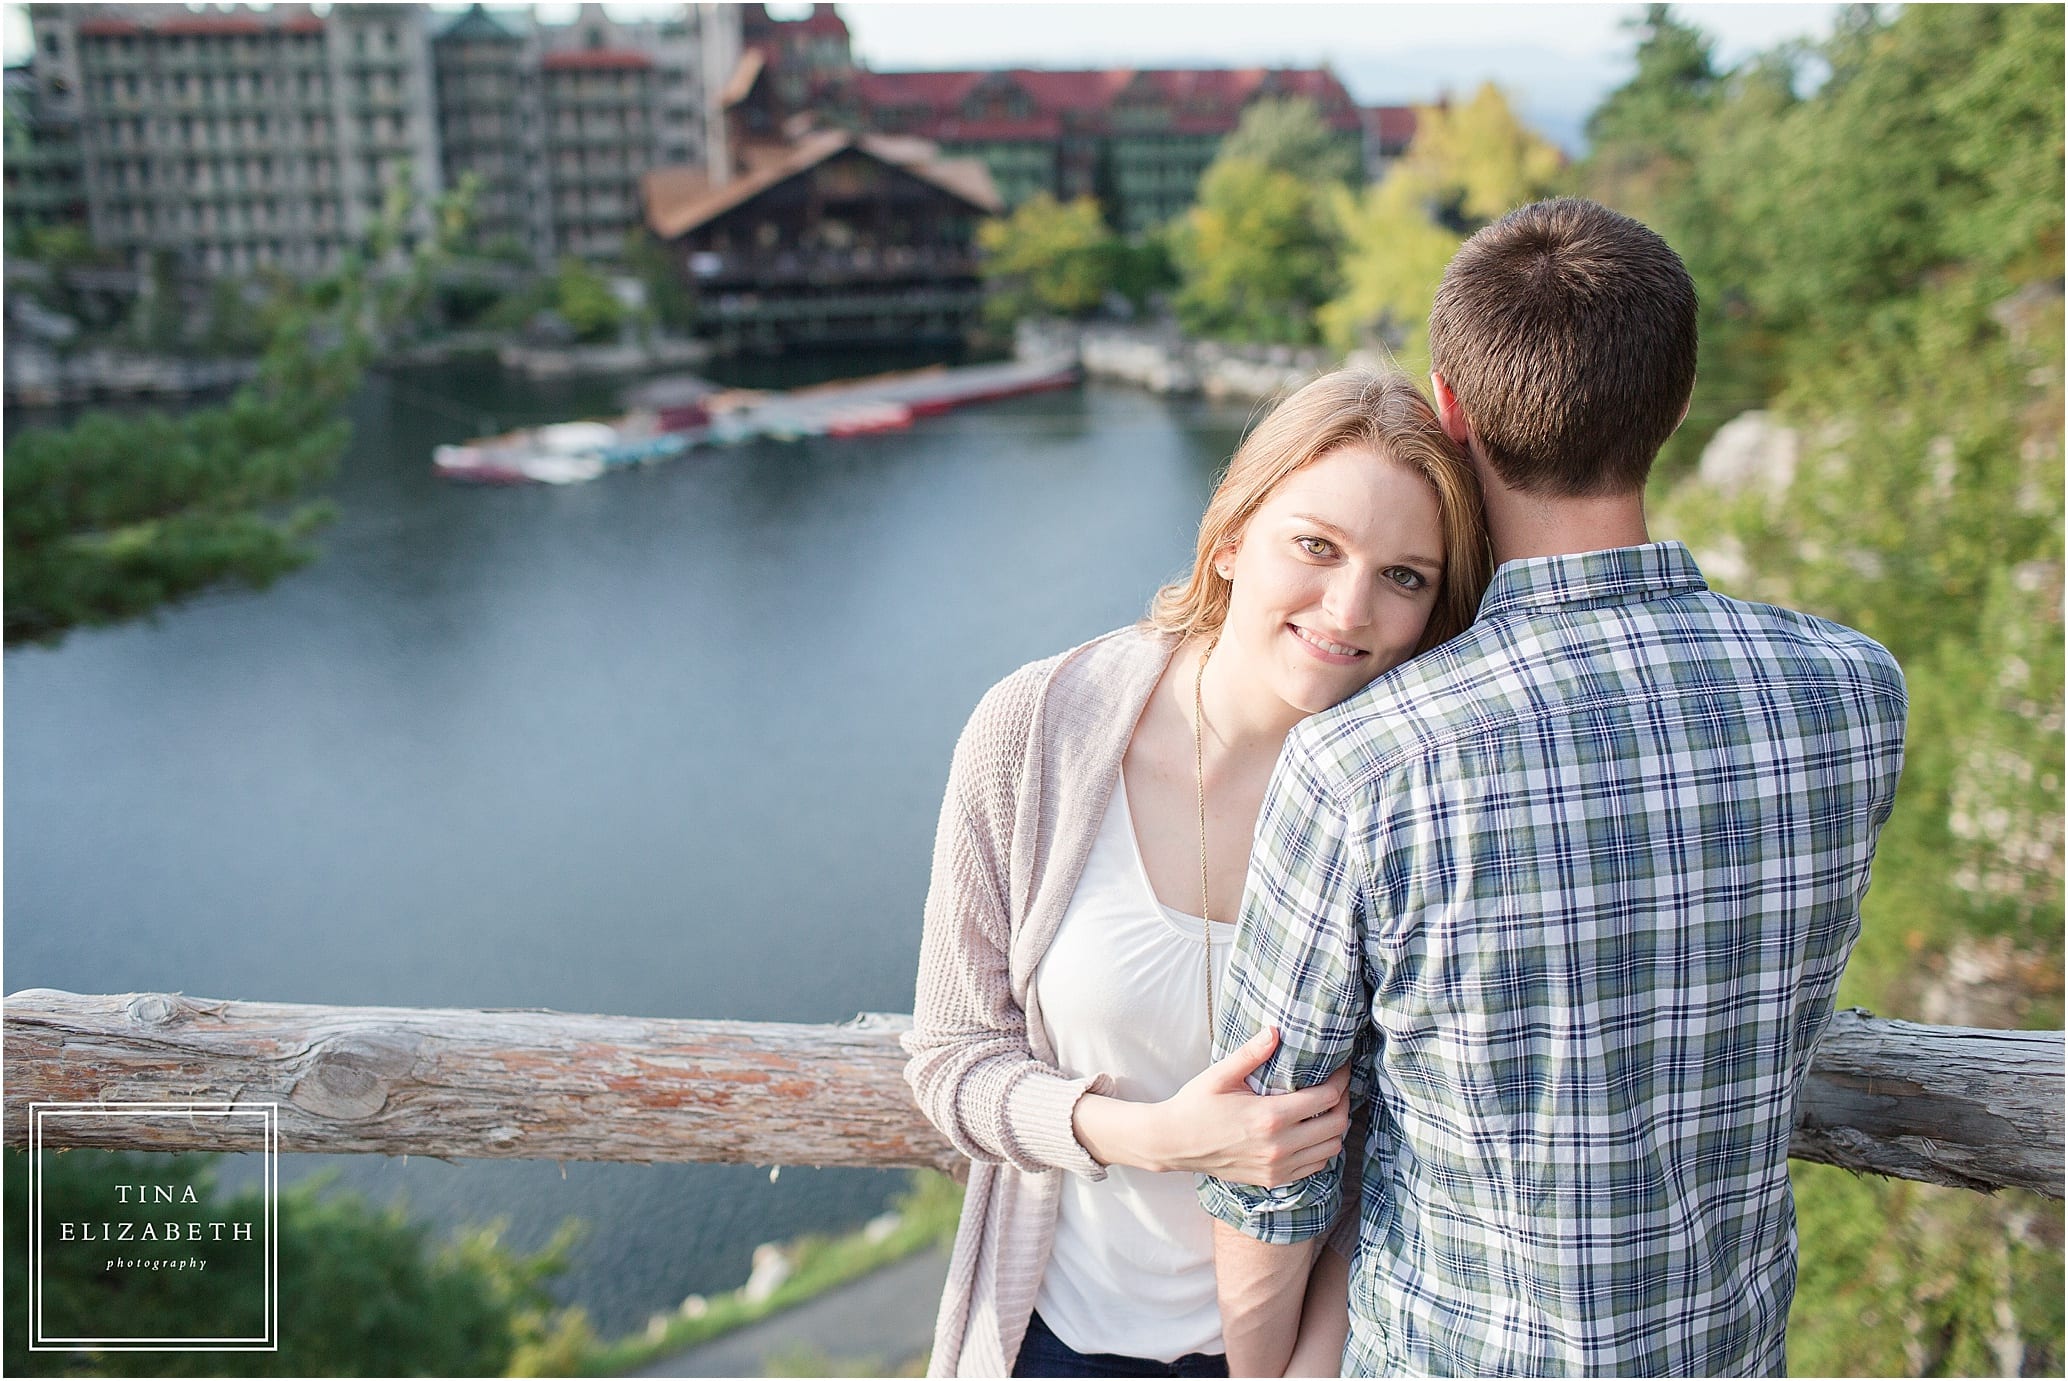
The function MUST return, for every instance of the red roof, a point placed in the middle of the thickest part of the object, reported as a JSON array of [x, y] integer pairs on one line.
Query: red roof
[[825, 19], [596, 59], [916, 88], [1392, 126], [1074, 90], [999, 131], [1201, 100], [204, 25], [199, 26]]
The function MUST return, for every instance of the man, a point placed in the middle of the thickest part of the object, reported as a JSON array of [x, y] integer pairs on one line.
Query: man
[[1573, 892]]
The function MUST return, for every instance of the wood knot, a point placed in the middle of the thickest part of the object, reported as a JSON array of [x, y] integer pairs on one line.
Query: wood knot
[[350, 1076], [158, 1009]]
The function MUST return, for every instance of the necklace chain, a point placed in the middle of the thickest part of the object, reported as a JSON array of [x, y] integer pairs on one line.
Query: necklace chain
[[1199, 778]]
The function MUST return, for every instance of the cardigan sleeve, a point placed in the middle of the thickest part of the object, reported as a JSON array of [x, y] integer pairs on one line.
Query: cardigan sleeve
[[971, 1068]]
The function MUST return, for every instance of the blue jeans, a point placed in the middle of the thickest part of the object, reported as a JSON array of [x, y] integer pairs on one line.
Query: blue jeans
[[1042, 1353]]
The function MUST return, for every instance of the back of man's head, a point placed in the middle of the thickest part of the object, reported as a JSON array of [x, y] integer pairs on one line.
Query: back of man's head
[[1567, 334]]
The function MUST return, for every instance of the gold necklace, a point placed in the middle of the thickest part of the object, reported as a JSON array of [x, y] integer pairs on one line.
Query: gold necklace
[[1206, 925]]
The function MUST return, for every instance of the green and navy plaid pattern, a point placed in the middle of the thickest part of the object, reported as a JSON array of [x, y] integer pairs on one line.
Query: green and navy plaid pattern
[[1576, 888]]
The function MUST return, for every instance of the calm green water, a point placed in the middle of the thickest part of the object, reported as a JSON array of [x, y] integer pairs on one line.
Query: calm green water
[[669, 744]]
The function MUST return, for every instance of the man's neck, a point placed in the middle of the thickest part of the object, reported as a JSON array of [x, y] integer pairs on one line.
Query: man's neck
[[1526, 525]]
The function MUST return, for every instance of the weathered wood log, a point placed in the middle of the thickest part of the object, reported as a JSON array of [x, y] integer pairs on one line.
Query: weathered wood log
[[1960, 1106], [525, 1083], [1951, 1105]]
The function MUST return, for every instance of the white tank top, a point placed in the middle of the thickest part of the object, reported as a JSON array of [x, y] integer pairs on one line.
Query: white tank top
[[1122, 990]]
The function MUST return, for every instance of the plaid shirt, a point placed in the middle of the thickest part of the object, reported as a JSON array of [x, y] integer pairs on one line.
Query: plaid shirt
[[1576, 889]]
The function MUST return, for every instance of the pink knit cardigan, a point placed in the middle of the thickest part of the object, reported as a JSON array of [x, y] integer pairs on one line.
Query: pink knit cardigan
[[1028, 787]]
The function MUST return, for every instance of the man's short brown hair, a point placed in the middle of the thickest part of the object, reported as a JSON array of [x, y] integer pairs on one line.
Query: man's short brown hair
[[1567, 333]]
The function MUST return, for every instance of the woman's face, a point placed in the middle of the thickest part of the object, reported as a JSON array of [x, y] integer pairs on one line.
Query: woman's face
[[1334, 578]]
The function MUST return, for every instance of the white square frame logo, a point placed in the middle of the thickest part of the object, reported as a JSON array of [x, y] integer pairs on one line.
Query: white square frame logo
[[268, 1115]]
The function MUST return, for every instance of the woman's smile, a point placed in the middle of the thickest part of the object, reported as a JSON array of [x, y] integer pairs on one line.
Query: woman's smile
[[1327, 649]]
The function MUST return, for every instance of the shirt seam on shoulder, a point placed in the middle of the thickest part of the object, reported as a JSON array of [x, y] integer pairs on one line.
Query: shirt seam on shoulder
[[1510, 723]]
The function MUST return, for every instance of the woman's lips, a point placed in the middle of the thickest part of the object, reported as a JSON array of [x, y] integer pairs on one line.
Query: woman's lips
[[1328, 650]]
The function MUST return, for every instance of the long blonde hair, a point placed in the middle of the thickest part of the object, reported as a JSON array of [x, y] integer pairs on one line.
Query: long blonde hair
[[1384, 411]]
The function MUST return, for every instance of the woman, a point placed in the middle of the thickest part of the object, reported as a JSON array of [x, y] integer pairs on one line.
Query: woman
[[1086, 877]]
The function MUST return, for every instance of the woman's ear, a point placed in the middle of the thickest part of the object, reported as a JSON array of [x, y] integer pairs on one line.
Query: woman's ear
[[1224, 559]]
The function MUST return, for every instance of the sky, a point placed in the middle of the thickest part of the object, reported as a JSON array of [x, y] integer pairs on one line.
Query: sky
[[1556, 61]]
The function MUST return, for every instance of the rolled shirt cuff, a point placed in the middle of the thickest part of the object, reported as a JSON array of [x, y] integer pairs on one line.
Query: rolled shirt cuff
[[1292, 1213]]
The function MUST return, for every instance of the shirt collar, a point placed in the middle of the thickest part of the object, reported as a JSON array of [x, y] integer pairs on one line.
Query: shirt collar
[[1655, 570]]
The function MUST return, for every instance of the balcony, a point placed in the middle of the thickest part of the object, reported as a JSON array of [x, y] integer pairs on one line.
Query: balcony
[[719, 271]]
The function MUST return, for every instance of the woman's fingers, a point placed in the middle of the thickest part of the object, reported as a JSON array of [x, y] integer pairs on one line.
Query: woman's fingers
[[1305, 1103], [1297, 1170], [1228, 1074]]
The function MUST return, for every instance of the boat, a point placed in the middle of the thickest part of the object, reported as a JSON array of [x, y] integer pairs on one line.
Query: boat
[[687, 412]]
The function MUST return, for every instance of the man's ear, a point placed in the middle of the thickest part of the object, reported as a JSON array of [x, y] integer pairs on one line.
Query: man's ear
[[1683, 410], [1456, 425]]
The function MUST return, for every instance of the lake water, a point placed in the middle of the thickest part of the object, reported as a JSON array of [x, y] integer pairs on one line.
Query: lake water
[[669, 744]]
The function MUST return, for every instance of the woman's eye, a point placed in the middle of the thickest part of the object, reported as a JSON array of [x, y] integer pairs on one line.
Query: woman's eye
[[1315, 546], [1407, 577]]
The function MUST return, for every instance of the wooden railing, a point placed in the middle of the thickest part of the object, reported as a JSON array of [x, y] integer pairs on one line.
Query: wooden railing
[[1977, 1109]]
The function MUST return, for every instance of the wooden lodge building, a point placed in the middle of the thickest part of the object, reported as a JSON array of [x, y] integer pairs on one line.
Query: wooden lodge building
[[829, 239]]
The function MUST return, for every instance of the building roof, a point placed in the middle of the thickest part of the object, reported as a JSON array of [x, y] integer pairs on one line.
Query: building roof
[[186, 23], [678, 200], [825, 19], [596, 60], [1391, 127], [211, 24], [745, 73], [1201, 100], [477, 25]]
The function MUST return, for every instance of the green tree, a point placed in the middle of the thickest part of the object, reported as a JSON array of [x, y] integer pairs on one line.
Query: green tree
[[583, 298], [1291, 137], [114, 517], [1880, 263], [659, 268], [1468, 165], [364, 1290], [1676, 78], [1255, 255], [1048, 257]]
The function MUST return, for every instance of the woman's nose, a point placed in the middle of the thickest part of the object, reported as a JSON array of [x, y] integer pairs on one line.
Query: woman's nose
[[1347, 601]]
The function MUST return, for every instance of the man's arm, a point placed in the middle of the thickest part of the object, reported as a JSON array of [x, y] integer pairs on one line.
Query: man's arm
[[1324, 1318], [1262, 1286]]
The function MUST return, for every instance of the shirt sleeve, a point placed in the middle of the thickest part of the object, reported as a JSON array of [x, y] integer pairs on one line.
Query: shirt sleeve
[[1298, 965]]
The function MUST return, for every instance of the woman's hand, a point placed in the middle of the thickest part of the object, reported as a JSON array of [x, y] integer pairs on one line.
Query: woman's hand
[[1215, 1126]]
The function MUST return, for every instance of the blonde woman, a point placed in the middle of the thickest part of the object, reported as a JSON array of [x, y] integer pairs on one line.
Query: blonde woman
[[1087, 871]]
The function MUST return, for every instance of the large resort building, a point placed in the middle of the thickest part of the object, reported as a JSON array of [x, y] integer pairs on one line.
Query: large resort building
[[803, 197], [1137, 140], [248, 139], [559, 123]]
